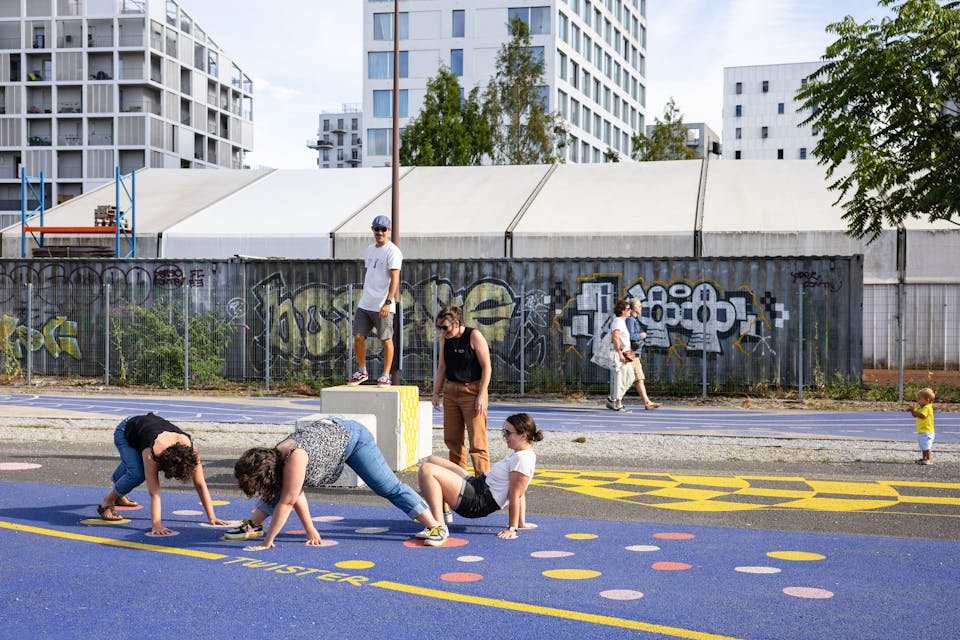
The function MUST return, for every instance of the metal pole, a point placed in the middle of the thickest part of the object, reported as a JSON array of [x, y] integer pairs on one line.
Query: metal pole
[[901, 337], [29, 331], [800, 345], [106, 335], [186, 337], [350, 338], [523, 368], [395, 158], [433, 320], [266, 345]]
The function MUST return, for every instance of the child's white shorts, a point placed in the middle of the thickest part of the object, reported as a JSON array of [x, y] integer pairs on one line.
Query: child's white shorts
[[925, 440]]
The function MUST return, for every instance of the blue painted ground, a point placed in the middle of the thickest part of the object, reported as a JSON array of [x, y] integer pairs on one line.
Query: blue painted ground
[[894, 425], [61, 578]]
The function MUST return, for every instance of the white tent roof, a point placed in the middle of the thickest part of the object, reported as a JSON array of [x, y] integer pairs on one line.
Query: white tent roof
[[286, 213]]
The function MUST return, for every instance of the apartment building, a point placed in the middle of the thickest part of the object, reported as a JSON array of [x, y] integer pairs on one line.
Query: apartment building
[[700, 139], [594, 54], [90, 85], [761, 116], [339, 141]]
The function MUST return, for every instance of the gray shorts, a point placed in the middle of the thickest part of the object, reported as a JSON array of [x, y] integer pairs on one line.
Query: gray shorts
[[364, 321]]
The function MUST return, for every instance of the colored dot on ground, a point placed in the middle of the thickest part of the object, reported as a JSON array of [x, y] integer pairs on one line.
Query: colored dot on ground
[[621, 594], [643, 547], [551, 554], [581, 536], [461, 576], [187, 512], [219, 503], [372, 530], [808, 592], [327, 518], [354, 564], [670, 566], [470, 558], [795, 555], [669, 535], [757, 569], [17, 466], [151, 534], [98, 521], [296, 532], [571, 574], [415, 543], [120, 507]]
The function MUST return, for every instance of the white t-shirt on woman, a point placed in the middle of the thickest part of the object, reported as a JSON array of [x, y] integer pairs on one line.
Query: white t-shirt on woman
[[621, 323], [498, 478]]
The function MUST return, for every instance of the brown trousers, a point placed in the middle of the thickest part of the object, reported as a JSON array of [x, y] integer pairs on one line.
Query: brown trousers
[[459, 415]]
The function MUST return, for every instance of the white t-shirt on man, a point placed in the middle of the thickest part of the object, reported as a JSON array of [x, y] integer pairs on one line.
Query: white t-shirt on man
[[376, 283]]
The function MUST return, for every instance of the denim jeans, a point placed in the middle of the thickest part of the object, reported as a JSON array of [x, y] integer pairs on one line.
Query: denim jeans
[[129, 473], [365, 458]]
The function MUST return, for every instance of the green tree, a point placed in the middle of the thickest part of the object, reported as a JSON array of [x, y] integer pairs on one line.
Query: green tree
[[667, 139], [522, 130], [611, 155], [449, 130], [885, 105]]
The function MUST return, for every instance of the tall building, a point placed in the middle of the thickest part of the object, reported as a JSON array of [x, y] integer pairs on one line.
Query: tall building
[[761, 116], [700, 138], [594, 54], [339, 138], [90, 85]]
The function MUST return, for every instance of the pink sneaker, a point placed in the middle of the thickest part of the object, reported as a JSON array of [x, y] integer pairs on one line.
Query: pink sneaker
[[358, 377], [384, 380]]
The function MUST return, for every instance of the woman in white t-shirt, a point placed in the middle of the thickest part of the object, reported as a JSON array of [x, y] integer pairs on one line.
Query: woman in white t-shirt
[[621, 378], [445, 483]]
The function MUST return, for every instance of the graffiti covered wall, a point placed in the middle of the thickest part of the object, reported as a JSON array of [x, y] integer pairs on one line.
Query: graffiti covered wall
[[541, 318]]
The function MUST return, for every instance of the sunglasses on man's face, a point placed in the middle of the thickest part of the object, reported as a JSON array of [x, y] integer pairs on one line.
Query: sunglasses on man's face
[[380, 229]]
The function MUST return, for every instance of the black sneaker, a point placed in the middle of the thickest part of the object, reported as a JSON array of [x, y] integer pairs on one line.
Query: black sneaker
[[244, 531]]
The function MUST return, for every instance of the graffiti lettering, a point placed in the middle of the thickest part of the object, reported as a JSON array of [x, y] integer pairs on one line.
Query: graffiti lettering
[[58, 335], [812, 280]]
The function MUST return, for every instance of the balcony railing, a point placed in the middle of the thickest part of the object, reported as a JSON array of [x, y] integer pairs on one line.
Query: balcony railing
[[39, 141], [69, 141], [68, 107]]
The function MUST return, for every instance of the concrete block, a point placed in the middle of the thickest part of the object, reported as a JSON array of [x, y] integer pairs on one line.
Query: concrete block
[[348, 478], [397, 409]]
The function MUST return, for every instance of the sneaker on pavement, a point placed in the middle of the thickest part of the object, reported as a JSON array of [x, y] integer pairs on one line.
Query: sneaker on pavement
[[436, 536], [384, 380], [244, 531], [358, 377], [923, 461]]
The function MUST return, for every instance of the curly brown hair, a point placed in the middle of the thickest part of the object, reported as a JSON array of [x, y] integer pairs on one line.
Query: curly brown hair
[[259, 472], [178, 461]]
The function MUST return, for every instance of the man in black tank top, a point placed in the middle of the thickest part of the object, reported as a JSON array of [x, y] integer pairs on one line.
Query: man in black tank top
[[463, 375]]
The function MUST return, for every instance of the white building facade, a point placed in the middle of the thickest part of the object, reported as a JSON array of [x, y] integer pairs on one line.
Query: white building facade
[[339, 141], [90, 85], [761, 116], [594, 55]]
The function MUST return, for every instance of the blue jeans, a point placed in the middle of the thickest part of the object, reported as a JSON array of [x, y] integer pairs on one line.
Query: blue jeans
[[365, 458], [129, 473]]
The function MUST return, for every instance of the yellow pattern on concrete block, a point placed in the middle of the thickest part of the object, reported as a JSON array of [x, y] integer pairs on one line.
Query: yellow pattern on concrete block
[[409, 422]]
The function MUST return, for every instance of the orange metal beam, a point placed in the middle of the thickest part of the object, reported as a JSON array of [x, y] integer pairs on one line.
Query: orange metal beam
[[104, 230]]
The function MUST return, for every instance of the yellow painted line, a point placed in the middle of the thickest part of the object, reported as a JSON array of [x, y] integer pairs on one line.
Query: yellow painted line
[[930, 500], [110, 542], [580, 616], [929, 485]]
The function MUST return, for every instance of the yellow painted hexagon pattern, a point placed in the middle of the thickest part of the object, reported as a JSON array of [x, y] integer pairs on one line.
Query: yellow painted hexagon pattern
[[681, 492], [409, 422]]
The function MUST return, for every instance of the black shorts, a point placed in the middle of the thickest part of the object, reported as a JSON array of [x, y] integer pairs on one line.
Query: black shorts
[[476, 501]]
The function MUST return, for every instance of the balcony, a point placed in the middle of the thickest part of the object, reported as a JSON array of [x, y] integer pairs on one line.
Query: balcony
[[321, 143]]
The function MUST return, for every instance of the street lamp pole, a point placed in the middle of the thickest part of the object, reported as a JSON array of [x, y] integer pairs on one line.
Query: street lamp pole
[[395, 189]]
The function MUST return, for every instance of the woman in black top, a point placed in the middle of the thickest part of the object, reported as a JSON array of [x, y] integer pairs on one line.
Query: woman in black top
[[463, 375], [149, 444]]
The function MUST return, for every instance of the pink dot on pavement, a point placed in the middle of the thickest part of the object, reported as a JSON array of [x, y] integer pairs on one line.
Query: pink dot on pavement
[[461, 576], [327, 518], [17, 466], [670, 566], [808, 592], [674, 536]]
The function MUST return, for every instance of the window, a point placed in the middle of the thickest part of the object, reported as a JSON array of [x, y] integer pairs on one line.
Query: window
[[587, 114], [561, 65], [766, 86], [383, 26], [542, 93], [574, 112], [562, 99], [538, 54], [738, 132], [780, 108], [738, 110], [456, 61], [378, 142], [763, 132], [736, 155], [459, 23], [803, 153], [779, 154], [739, 88], [383, 103], [575, 74], [380, 64], [537, 18], [212, 62], [563, 24]]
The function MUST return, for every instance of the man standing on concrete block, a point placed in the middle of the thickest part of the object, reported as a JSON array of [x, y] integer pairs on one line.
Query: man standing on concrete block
[[381, 286]]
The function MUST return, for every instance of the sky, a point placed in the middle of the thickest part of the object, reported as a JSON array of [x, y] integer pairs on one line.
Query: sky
[[305, 56]]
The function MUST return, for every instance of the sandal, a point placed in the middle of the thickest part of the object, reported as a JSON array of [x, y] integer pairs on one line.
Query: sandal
[[124, 501], [652, 405], [108, 513]]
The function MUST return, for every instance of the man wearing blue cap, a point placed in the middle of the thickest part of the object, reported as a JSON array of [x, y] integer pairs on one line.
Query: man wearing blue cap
[[381, 286]]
